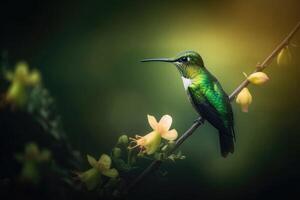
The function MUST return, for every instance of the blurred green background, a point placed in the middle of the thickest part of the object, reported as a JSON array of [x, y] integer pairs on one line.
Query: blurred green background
[[89, 52]]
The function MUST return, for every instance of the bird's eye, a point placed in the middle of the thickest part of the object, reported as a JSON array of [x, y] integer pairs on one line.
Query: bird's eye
[[184, 59]]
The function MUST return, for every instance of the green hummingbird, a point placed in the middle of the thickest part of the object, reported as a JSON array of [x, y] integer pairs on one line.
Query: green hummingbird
[[206, 95]]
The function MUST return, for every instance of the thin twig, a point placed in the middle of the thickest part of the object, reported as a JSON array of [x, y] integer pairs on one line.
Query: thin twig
[[268, 60]]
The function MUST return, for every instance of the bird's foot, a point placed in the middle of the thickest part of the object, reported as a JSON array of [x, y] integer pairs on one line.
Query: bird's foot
[[199, 120]]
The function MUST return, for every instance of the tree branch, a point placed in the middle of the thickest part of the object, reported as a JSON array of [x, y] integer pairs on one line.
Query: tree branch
[[267, 61]]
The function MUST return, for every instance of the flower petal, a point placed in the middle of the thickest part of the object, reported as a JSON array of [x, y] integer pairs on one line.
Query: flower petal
[[92, 161], [104, 161], [34, 78], [91, 178], [151, 142], [245, 107], [152, 122], [112, 173], [148, 143], [21, 71], [165, 123], [170, 135]]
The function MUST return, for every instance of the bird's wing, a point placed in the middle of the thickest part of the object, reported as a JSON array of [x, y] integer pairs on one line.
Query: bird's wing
[[213, 104]]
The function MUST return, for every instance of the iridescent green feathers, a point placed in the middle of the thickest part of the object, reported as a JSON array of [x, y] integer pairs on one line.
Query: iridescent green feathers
[[212, 103], [208, 97]]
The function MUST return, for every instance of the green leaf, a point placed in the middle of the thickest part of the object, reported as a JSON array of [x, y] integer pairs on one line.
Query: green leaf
[[172, 157], [164, 148]]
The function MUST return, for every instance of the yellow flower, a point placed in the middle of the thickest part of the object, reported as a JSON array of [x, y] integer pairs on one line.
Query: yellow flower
[[244, 98], [257, 78], [103, 165], [33, 153], [23, 75], [20, 79], [150, 142], [92, 177], [31, 160]]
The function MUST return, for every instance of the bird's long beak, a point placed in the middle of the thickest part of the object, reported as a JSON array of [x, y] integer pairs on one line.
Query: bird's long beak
[[159, 60]]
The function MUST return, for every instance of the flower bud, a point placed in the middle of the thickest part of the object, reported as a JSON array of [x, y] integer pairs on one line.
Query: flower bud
[[123, 139], [116, 152], [244, 98], [284, 57], [258, 78]]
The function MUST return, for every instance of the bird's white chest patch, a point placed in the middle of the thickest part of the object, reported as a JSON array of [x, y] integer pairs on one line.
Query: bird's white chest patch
[[186, 82]]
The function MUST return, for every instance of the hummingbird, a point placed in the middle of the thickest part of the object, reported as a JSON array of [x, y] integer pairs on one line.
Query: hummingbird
[[206, 95]]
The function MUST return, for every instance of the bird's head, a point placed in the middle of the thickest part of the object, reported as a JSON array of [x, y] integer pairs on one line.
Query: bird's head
[[187, 62]]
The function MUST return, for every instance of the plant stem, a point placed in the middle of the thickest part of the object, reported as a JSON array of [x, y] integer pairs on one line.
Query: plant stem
[[267, 61]]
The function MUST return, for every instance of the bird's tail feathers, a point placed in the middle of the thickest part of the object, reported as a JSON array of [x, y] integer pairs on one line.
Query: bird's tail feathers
[[226, 142]]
